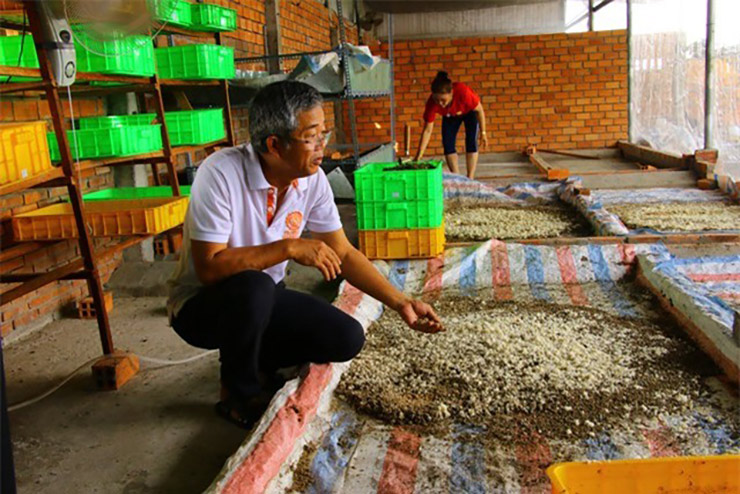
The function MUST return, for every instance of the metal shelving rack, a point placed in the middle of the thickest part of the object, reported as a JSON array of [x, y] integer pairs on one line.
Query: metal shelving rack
[[70, 172], [348, 94]]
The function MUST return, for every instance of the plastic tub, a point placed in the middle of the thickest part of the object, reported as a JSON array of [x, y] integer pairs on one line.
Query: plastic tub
[[104, 219], [373, 183], [681, 475], [129, 55], [24, 151], [403, 244], [400, 215], [109, 142], [195, 62], [173, 12], [210, 17], [134, 193]]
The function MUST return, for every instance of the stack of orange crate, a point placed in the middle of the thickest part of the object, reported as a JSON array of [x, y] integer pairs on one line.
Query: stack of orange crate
[[400, 210]]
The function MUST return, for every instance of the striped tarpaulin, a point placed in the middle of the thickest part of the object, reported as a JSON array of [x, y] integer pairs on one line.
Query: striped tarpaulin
[[459, 187], [358, 454]]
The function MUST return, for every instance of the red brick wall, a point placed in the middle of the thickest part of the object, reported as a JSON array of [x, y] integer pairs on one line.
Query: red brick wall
[[49, 299], [556, 90]]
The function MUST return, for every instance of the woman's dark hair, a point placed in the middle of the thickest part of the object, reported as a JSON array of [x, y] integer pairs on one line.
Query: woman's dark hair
[[442, 83]]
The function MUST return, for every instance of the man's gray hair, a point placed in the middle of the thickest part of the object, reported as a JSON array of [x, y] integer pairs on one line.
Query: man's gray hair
[[275, 108]]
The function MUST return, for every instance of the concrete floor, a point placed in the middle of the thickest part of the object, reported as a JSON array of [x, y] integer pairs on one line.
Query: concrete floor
[[159, 433]]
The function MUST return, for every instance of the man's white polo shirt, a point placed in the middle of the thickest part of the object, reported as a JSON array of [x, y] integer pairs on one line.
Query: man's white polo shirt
[[231, 202]]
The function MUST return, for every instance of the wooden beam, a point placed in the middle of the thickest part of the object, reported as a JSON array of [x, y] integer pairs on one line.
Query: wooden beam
[[82, 90], [674, 239], [568, 153], [53, 174], [19, 250], [640, 179], [6, 70], [85, 76], [702, 169], [228, 116], [88, 261], [272, 35], [658, 159], [16, 87], [546, 169], [41, 280]]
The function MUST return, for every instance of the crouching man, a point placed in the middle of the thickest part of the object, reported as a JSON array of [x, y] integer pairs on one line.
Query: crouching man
[[248, 207]]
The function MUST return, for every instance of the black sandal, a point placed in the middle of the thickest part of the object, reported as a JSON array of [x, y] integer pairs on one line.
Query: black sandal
[[244, 415]]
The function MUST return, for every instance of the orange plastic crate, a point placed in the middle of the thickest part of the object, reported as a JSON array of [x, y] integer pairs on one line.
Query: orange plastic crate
[[403, 244], [681, 475], [104, 219], [24, 151]]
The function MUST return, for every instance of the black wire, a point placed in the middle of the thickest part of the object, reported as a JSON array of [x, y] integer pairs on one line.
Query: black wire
[[23, 42]]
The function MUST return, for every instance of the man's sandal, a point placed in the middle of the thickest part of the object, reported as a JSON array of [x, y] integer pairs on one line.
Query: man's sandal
[[243, 415]]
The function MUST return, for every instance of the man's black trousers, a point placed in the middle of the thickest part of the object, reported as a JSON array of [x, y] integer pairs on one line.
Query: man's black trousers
[[261, 326]]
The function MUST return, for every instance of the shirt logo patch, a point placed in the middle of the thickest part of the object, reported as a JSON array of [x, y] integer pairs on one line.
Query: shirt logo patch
[[293, 224]]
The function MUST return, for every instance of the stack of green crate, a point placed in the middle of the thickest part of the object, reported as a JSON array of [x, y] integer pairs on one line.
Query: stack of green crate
[[400, 209], [18, 51], [186, 128], [120, 55], [194, 16], [197, 61]]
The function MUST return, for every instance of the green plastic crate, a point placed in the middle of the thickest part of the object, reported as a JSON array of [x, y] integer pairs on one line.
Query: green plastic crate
[[129, 55], [185, 127], [195, 62], [10, 50], [210, 17], [195, 126], [173, 12], [105, 143], [117, 121], [396, 215], [372, 183], [134, 193]]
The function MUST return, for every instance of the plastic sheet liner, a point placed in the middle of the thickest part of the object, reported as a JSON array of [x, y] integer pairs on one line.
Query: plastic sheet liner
[[459, 187], [668, 61], [368, 72], [668, 54], [726, 86], [356, 454]]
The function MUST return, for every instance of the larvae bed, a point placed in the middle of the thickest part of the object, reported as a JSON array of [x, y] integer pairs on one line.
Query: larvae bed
[[473, 223], [680, 216], [562, 370]]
